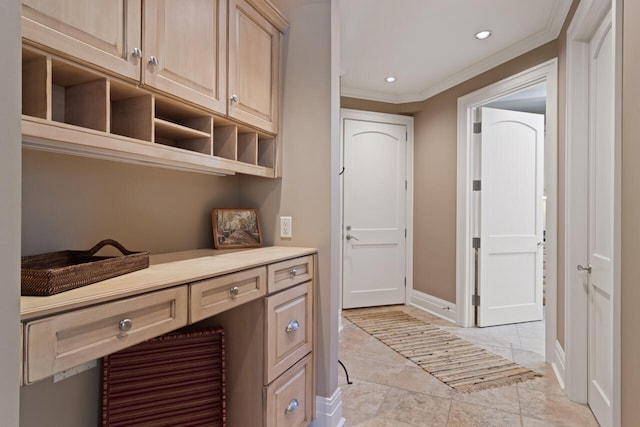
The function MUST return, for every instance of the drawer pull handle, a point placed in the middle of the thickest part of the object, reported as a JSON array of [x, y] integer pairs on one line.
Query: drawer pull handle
[[234, 291], [293, 272], [294, 325], [125, 325], [293, 405]]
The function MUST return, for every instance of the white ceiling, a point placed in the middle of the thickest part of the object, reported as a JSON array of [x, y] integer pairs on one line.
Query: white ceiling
[[429, 45]]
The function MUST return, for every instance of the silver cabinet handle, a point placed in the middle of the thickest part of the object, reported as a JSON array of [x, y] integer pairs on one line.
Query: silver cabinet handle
[[235, 98], [294, 325], [153, 61], [587, 268], [293, 272], [136, 53], [349, 237], [125, 325], [234, 291], [292, 406]]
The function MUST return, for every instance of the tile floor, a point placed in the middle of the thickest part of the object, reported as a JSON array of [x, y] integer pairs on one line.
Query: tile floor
[[389, 390]]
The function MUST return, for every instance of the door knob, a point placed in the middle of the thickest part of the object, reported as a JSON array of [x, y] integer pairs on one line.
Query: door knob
[[153, 61], [136, 52], [587, 268], [349, 237]]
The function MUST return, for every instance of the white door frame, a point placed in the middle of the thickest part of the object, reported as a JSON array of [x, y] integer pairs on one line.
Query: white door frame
[[394, 119], [585, 21], [546, 72]]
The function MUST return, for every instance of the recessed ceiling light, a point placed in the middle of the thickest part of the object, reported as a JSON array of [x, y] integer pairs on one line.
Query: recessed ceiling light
[[485, 34], [390, 79]]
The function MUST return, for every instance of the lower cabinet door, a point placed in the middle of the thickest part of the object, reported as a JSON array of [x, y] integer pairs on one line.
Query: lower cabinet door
[[289, 317], [290, 398]]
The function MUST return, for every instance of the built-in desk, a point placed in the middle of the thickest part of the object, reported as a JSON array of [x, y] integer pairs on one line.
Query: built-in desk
[[263, 298]]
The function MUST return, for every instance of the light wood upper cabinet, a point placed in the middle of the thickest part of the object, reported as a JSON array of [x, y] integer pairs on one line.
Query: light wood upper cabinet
[[185, 50], [198, 79], [101, 32], [254, 66]]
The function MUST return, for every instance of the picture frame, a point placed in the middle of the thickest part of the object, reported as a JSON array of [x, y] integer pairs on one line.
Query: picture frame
[[236, 228]]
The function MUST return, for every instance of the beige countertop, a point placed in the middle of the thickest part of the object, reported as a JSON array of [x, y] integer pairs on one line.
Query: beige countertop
[[165, 270]]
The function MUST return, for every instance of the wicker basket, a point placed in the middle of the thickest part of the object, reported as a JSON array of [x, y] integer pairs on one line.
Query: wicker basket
[[52, 273], [177, 379]]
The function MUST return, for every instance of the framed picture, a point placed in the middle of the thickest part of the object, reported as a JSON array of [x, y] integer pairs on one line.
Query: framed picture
[[236, 228]]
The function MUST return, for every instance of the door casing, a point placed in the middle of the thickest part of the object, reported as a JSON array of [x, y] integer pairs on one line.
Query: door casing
[[545, 72]]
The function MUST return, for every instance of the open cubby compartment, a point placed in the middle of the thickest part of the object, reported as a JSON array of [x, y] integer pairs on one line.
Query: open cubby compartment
[[225, 140], [36, 82], [78, 96], [131, 111], [248, 147], [181, 126], [267, 151]]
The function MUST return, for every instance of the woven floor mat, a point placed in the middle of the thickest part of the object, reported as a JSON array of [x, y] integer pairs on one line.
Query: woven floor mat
[[454, 361]]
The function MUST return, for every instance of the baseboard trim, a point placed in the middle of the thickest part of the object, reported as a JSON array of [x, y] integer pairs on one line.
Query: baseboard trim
[[558, 364], [434, 305], [329, 410]]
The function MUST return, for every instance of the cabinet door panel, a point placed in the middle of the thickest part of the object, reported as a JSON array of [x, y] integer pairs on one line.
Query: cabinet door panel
[[100, 32], [289, 328], [290, 398], [188, 41], [254, 66]]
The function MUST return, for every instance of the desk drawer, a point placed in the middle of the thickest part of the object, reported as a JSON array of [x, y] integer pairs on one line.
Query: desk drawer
[[285, 274], [289, 328], [210, 297], [290, 399], [59, 342]]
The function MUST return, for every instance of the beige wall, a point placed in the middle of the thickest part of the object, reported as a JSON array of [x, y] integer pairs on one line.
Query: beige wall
[[9, 211], [72, 203], [435, 164], [435, 174], [304, 191], [630, 293]]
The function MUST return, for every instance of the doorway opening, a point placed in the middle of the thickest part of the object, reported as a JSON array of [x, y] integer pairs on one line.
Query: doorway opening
[[502, 94]]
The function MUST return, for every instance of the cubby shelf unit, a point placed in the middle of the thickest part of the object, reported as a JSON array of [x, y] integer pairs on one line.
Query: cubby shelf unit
[[77, 110]]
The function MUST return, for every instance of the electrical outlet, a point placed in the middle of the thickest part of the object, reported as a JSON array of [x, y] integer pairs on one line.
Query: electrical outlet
[[285, 227]]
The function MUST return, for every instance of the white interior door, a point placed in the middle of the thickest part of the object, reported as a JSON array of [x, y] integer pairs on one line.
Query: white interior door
[[374, 213], [601, 223], [511, 217]]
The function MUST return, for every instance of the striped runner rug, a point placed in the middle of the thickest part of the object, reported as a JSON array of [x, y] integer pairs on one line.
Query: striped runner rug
[[454, 361]]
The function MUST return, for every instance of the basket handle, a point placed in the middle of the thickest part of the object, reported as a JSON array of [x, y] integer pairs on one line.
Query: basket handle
[[111, 242]]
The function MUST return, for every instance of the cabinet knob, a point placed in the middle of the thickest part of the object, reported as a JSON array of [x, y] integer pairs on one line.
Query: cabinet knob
[[294, 325], [153, 61], [235, 98], [293, 272], [125, 325], [136, 53], [234, 291], [292, 406]]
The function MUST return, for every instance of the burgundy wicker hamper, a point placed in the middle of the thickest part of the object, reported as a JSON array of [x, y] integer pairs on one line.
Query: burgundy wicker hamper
[[177, 379]]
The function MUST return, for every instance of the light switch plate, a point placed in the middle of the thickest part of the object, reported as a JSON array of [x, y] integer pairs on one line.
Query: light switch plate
[[285, 227]]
